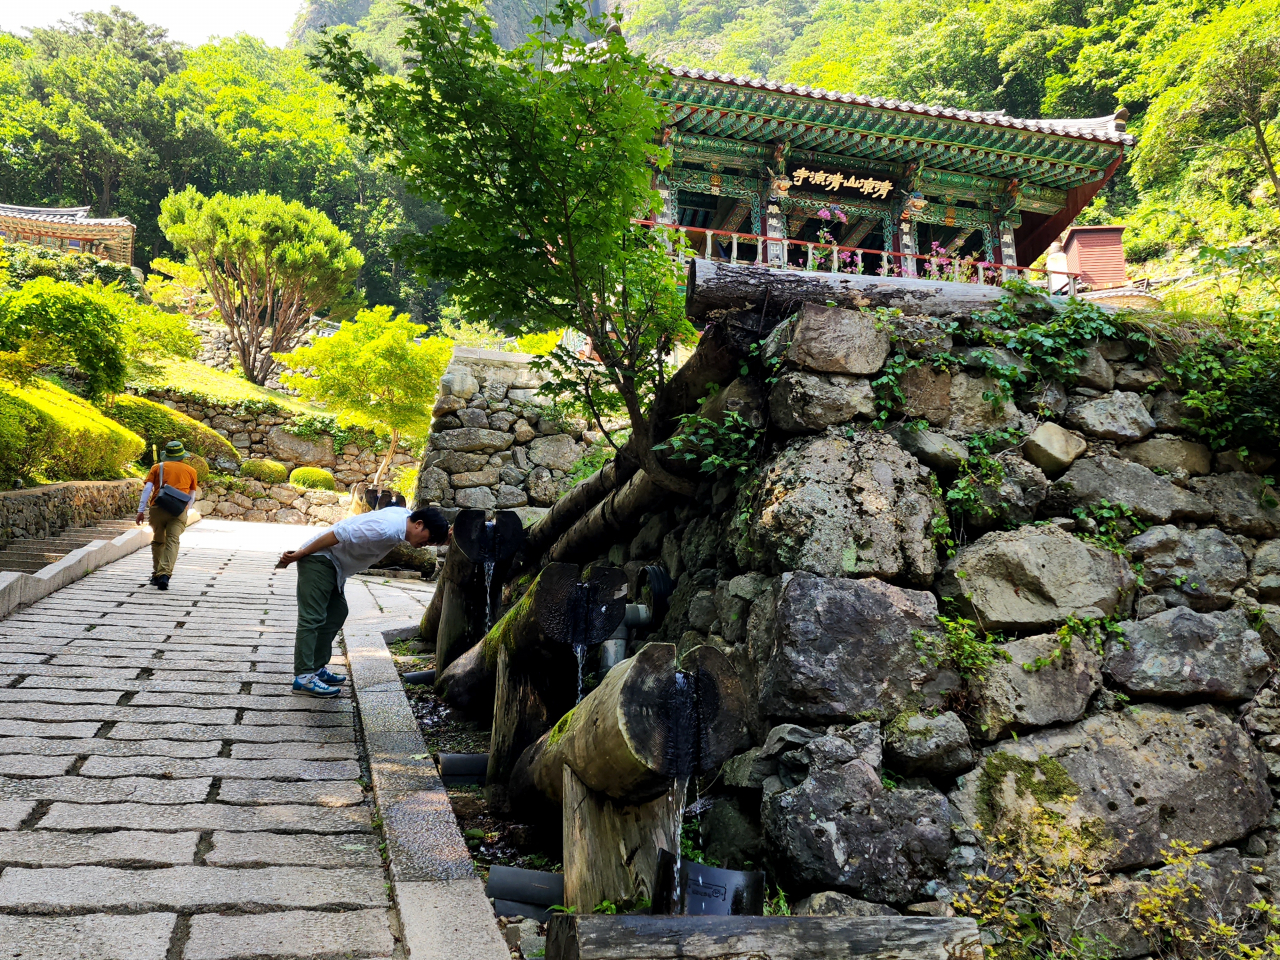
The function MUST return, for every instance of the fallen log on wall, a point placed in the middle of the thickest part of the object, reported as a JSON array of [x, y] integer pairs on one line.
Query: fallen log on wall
[[762, 938], [724, 286], [620, 512], [652, 720], [716, 360]]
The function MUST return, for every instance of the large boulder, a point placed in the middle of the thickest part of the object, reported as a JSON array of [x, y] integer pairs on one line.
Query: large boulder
[[301, 452], [1242, 503], [1196, 568], [830, 903], [1181, 654], [972, 411], [433, 486], [1035, 682], [844, 506], [556, 452], [926, 393], [831, 340], [803, 402], [1266, 571], [471, 439], [842, 829], [835, 650], [1214, 886], [1053, 449], [916, 743], [933, 449], [1180, 457], [1151, 498], [1036, 577], [1117, 416], [1015, 499], [1125, 785]]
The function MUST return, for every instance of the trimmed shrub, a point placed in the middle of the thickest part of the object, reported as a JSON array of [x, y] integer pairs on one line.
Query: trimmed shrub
[[264, 471], [157, 425], [68, 438], [312, 478], [200, 465], [26, 441]]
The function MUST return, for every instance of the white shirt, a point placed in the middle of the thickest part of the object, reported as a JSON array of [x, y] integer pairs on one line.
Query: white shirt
[[364, 539]]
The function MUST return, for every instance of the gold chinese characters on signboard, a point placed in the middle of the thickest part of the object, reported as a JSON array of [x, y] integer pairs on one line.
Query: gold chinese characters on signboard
[[834, 181]]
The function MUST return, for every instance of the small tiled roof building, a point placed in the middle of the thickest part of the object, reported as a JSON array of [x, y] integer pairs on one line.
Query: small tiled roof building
[[70, 229]]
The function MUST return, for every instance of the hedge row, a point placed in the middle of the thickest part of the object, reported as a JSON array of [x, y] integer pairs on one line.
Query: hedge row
[[157, 425], [47, 433]]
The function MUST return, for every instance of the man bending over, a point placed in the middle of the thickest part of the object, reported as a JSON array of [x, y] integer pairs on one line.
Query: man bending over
[[324, 564]]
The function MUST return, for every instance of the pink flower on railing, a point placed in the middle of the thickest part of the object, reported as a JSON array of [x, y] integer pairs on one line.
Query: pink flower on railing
[[824, 214], [840, 216]]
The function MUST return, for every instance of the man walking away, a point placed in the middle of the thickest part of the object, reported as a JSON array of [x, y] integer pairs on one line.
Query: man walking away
[[168, 482], [324, 564]]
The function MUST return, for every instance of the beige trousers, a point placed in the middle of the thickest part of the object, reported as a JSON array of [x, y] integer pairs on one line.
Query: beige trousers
[[166, 530]]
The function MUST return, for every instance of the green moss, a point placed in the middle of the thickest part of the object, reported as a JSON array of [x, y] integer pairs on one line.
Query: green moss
[[560, 729], [499, 634], [1045, 779]]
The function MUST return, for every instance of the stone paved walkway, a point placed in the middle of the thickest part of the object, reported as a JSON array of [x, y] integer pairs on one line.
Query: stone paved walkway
[[162, 796]]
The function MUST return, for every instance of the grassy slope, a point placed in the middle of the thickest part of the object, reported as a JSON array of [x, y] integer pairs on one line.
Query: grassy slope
[[190, 377]]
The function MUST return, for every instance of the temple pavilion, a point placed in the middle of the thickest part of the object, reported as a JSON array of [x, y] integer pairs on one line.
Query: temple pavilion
[[69, 229], [767, 173]]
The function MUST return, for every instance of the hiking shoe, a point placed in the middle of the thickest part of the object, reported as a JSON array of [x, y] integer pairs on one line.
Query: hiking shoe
[[325, 675], [313, 686], [155, 580], [162, 581]]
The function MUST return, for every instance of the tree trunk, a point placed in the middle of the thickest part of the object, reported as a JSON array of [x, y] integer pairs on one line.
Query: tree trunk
[[535, 651], [717, 360], [651, 721], [762, 938], [386, 461], [612, 851], [777, 293]]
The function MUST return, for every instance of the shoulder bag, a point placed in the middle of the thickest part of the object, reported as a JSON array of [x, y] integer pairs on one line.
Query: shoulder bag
[[171, 499]]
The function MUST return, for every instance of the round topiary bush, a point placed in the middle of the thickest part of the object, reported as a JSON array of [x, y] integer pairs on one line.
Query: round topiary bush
[[264, 471], [312, 478], [157, 425], [200, 465]]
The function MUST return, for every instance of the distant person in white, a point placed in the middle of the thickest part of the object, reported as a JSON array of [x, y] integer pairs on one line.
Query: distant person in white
[[324, 564]]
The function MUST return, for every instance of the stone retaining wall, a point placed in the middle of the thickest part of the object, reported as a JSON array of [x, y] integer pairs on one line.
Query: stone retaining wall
[[263, 435], [493, 443], [46, 511], [271, 503], [1129, 575]]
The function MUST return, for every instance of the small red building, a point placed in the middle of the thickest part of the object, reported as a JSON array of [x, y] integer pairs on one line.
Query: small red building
[[1097, 254]]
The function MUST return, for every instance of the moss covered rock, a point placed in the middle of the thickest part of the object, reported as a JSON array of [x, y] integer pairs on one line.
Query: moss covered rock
[[313, 478]]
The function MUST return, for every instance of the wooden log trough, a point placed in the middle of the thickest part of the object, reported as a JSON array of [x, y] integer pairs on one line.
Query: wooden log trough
[[618, 763], [762, 938]]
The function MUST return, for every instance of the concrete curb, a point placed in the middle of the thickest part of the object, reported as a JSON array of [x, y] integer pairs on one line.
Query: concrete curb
[[20, 589], [443, 910]]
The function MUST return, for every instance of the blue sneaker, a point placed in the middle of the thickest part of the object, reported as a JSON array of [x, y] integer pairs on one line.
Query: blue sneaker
[[325, 675], [313, 686]]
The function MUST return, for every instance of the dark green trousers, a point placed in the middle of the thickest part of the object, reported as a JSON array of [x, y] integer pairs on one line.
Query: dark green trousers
[[322, 609]]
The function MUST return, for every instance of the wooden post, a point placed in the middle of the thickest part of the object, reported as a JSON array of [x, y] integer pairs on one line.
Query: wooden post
[[611, 850], [532, 650], [466, 607]]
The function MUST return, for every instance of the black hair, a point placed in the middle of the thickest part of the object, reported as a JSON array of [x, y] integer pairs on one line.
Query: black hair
[[434, 521]]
